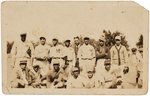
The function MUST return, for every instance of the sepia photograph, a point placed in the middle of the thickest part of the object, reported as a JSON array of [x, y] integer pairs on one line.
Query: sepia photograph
[[74, 47]]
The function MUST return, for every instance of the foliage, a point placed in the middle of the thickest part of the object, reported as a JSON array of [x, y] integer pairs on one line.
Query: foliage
[[139, 44], [109, 40]]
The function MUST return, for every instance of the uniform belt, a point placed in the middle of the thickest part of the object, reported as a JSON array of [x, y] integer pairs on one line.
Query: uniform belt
[[86, 58], [41, 60], [69, 60], [23, 57], [108, 81], [57, 58]]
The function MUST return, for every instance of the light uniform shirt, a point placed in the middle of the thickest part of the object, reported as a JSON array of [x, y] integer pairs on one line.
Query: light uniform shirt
[[19, 76], [129, 79], [75, 82], [42, 51], [140, 68], [140, 62], [115, 55], [19, 52], [91, 82], [57, 51], [69, 52], [86, 51], [19, 49], [86, 55], [108, 77]]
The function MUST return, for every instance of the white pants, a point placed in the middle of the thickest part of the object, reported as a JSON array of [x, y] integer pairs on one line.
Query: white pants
[[118, 69], [69, 69], [86, 65], [100, 65]]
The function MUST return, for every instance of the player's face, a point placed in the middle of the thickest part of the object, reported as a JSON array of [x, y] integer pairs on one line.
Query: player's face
[[67, 44], [86, 42], [55, 42], [76, 41], [107, 67], [101, 43], [22, 66], [118, 41], [76, 74], [42, 41], [141, 52], [56, 67], [23, 38], [90, 74], [36, 69], [134, 52]]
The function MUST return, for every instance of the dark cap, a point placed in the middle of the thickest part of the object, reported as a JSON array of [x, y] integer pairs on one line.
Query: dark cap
[[23, 62], [86, 38], [55, 39], [90, 71], [23, 34], [42, 38], [36, 66], [107, 62], [56, 64], [140, 49], [134, 49], [75, 69], [67, 40], [77, 37]]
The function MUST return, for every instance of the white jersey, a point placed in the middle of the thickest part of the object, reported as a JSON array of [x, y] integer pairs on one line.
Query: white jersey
[[75, 83], [108, 77], [57, 51], [69, 52], [42, 51], [91, 82], [86, 52], [20, 49], [20, 52]]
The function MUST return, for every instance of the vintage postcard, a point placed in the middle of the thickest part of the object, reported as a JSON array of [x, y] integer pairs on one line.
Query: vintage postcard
[[74, 47]]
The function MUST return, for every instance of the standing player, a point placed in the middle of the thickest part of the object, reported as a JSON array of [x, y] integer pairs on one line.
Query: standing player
[[86, 57], [119, 56], [41, 56], [69, 53], [57, 53], [22, 50]]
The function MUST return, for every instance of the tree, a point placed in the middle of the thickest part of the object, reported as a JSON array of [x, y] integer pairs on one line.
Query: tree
[[139, 44], [9, 46], [110, 38]]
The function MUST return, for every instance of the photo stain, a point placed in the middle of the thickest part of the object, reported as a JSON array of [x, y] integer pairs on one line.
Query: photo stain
[[122, 12], [91, 9]]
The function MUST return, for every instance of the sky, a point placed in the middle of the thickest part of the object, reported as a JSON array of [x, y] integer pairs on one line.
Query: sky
[[64, 20]]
